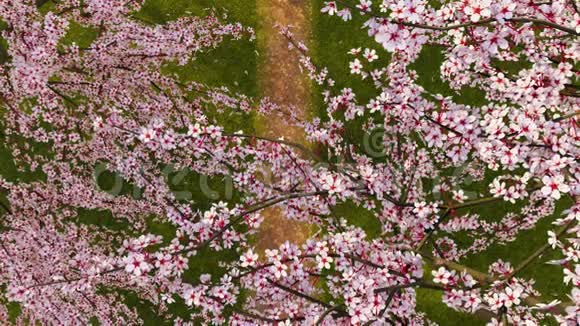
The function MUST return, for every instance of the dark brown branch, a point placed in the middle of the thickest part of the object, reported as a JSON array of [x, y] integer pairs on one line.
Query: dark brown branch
[[279, 141], [396, 287], [240, 217], [306, 297], [488, 21], [432, 230], [328, 311], [254, 315]]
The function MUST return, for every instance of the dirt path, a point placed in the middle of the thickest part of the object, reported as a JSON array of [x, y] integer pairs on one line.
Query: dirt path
[[282, 81]]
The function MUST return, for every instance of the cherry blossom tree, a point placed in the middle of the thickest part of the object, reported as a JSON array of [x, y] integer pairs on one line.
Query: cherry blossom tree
[[68, 108]]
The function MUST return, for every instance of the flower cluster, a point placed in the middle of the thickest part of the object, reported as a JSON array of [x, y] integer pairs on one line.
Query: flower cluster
[[426, 163]]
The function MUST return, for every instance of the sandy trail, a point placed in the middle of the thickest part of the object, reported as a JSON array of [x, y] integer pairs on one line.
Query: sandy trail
[[283, 82]]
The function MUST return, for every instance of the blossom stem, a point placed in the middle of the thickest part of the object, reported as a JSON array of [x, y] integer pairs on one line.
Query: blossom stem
[[535, 21], [328, 311], [305, 296], [538, 252]]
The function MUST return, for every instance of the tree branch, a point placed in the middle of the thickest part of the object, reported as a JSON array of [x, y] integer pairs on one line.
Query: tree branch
[[538, 252], [307, 297], [535, 21]]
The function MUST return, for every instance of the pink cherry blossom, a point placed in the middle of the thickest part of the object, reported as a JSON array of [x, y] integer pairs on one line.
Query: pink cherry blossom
[[424, 173], [554, 186]]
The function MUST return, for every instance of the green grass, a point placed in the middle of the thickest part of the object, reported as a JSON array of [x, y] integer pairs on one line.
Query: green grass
[[430, 303], [233, 64]]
